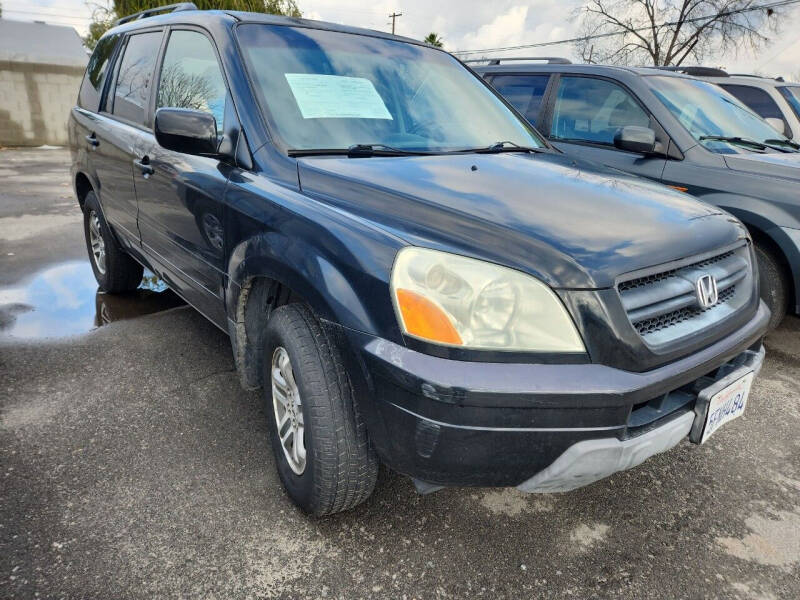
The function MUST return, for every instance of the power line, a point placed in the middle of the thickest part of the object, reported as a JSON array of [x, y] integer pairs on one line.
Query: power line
[[597, 36]]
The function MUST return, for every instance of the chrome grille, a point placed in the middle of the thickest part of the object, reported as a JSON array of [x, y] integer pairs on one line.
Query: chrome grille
[[663, 306]]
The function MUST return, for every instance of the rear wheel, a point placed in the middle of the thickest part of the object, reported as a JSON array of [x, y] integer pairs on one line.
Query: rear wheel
[[774, 285], [319, 440], [113, 268]]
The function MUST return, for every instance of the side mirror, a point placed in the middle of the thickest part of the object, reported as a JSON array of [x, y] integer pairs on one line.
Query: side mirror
[[186, 131], [635, 139], [776, 124]]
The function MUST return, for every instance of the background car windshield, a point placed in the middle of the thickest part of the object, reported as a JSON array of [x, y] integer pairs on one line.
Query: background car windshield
[[792, 95], [331, 90], [706, 110]]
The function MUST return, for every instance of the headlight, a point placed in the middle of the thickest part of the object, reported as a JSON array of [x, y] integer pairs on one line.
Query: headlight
[[456, 301]]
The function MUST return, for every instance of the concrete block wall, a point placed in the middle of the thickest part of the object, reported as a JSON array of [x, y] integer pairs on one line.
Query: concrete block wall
[[35, 100]]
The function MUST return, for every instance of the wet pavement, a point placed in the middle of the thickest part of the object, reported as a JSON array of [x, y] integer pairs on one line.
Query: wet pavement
[[133, 466], [63, 300]]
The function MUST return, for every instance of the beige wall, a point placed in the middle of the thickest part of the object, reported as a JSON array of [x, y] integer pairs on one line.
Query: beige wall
[[35, 101]]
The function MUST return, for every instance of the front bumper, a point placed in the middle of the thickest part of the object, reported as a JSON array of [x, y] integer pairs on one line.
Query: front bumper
[[591, 460], [449, 422]]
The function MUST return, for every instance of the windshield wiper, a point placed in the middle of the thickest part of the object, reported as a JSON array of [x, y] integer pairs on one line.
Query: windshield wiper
[[781, 144], [359, 151], [505, 146], [368, 150], [734, 140]]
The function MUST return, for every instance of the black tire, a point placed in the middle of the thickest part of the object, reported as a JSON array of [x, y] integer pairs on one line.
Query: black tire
[[774, 285], [340, 466], [120, 273]]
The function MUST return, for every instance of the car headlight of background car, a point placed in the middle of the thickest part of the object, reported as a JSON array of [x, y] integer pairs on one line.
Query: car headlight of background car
[[463, 302]]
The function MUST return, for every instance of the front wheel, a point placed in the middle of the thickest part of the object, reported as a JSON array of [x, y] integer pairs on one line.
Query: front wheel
[[114, 270], [774, 285], [320, 443]]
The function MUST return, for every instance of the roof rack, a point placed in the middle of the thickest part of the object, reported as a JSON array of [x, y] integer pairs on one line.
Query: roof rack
[[758, 76], [143, 14], [551, 60], [698, 71]]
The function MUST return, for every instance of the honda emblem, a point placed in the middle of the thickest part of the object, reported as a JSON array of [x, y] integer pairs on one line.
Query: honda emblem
[[706, 290]]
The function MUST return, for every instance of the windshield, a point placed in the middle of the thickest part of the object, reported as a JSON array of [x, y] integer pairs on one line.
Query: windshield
[[709, 112], [792, 95], [332, 90]]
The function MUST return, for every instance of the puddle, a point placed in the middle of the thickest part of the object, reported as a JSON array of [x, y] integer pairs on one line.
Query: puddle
[[63, 300]]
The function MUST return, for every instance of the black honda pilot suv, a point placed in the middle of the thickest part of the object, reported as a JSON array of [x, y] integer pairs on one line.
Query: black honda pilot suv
[[408, 269]]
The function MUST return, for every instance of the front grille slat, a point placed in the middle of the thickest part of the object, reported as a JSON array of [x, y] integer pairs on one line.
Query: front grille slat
[[666, 306], [663, 306], [674, 317], [720, 270], [642, 296]]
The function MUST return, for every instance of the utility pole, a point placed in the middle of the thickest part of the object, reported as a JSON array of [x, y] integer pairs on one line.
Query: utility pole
[[393, 17]]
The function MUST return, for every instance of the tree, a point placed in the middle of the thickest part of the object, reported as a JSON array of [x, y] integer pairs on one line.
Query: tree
[[102, 20], [103, 16], [184, 90], [434, 40], [668, 32]]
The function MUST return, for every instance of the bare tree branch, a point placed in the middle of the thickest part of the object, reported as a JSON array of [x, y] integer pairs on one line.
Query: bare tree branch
[[668, 32]]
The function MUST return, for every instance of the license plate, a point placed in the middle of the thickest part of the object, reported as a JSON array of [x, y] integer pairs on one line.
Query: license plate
[[727, 404]]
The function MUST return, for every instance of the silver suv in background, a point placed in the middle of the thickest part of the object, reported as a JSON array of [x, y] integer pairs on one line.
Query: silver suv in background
[[677, 130], [775, 100]]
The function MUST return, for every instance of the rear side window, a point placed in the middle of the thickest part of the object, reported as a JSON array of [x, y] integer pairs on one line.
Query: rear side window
[[524, 92], [135, 77], [92, 86], [757, 100], [593, 110], [191, 76]]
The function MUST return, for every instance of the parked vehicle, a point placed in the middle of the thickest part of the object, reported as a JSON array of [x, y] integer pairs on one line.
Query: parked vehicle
[[679, 131], [775, 100], [411, 273]]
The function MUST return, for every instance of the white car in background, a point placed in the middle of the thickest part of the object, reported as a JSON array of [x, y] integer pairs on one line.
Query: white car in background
[[775, 100]]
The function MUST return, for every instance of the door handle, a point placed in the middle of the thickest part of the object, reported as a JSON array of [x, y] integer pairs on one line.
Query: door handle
[[93, 141], [144, 167]]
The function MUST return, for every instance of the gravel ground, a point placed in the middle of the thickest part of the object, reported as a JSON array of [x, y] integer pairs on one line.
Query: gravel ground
[[133, 466]]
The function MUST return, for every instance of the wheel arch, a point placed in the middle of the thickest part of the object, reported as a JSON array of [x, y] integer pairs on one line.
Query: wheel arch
[[83, 185], [269, 271], [773, 238]]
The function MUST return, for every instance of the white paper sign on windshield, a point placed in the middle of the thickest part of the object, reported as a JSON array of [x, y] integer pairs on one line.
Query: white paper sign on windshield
[[336, 97]]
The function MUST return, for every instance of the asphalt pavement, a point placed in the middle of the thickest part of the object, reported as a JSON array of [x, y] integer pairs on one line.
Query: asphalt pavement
[[132, 465]]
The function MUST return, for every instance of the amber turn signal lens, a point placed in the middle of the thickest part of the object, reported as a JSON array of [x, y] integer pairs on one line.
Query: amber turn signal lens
[[422, 318]]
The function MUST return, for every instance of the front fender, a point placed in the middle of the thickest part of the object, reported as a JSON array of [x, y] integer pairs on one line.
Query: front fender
[[340, 265], [756, 212], [766, 222], [334, 291]]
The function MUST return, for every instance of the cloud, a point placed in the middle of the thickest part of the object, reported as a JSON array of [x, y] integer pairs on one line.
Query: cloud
[[505, 30], [463, 24], [74, 13]]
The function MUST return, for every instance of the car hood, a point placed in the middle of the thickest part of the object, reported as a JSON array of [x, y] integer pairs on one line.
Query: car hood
[[777, 164], [571, 224]]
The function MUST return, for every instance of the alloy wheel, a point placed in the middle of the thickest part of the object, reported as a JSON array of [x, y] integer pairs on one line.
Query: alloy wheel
[[288, 410], [97, 243]]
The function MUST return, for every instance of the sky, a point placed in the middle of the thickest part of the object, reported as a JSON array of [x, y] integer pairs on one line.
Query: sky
[[463, 25]]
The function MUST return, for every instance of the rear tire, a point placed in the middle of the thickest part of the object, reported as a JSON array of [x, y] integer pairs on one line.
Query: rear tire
[[774, 285], [338, 467], [114, 269]]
